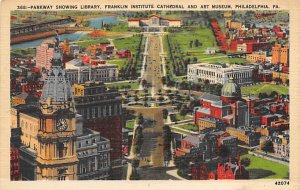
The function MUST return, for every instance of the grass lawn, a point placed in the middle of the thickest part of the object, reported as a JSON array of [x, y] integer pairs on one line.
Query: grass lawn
[[130, 43], [265, 88], [130, 124], [23, 53], [180, 117], [123, 27], [86, 40], [204, 35], [120, 62], [120, 85], [190, 127], [262, 168]]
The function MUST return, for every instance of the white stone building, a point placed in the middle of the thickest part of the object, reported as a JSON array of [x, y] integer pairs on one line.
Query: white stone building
[[219, 73], [153, 21], [77, 72]]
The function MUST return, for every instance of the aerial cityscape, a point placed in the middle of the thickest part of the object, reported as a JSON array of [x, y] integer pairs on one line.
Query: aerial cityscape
[[152, 95]]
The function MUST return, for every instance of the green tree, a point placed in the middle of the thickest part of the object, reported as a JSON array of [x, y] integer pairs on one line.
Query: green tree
[[144, 82], [183, 110], [191, 44], [167, 136], [223, 151], [267, 146], [274, 94], [165, 113], [140, 120], [245, 161], [262, 95]]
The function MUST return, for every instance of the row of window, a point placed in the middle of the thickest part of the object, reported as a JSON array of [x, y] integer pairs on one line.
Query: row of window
[[31, 128], [84, 169], [100, 111]]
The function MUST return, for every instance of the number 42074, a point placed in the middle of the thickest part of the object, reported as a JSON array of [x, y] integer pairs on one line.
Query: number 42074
[[282, 183]]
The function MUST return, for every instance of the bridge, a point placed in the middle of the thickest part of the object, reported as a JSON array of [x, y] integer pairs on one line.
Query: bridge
[[40, 26], [74, 29]]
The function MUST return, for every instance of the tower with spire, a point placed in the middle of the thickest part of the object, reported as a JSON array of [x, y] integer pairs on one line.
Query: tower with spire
[[56, 157]]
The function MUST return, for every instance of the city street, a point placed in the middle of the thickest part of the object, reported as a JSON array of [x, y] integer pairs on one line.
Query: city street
[[152, 156], [152, 149], [153, 70]]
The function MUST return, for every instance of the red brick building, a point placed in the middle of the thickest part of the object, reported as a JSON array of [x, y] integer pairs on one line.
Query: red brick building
[[124, 53], [262, 76], [227, 107], [268, 119], [32, 86], [14, 164], [252, 44], [219, 171]]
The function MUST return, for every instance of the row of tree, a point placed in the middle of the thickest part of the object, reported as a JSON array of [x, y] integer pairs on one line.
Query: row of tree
[[129, 72], [137, 145], [167, 137]]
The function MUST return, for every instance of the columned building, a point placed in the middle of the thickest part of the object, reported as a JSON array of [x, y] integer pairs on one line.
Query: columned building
[[220, 73], [78, 72], [153, 21]]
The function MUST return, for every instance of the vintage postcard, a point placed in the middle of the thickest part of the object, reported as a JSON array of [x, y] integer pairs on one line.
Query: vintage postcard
[[150, 95]]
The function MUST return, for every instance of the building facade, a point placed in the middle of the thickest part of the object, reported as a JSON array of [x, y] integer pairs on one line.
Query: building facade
[[257, 57], [210, 122], [78, 72], [44, 54], [245, 135], [281, 145], [219, 73], [48, 150], [102, 111], [153, 21], [283, 76], [280, 54], [93, 152]]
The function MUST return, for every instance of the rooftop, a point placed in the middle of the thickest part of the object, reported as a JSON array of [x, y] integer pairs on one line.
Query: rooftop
[[193, 139], [202, 109], [210, 97]]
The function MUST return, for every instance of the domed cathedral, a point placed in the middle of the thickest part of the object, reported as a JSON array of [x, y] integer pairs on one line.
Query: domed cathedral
[[227, 108], [231, 92]]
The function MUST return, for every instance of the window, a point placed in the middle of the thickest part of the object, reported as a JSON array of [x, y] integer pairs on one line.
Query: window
[[61, 150], [79, 145], [93, 112], [61, 178], [62, 174], [86, 142]]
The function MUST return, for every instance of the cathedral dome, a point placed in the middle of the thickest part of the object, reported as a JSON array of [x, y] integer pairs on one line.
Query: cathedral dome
[[231, 89]]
